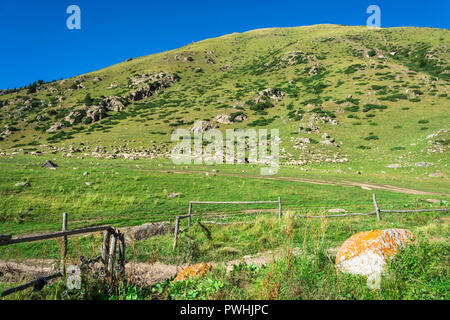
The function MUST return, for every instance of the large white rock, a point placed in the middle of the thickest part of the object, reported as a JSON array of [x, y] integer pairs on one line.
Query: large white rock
[[365, 253]]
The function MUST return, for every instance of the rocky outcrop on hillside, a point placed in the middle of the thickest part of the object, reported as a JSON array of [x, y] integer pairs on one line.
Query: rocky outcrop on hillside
[[157, 83], [114, 103], [75, 116], [55, 127], [226, 67], [184, 57], [96, 113], [229, 119], [154, 83], [203, 126], [270, 93]]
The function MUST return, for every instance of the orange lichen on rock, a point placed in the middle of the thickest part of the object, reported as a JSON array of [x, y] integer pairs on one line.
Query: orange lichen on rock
[[365, 253], [191, 271], [381, 242]]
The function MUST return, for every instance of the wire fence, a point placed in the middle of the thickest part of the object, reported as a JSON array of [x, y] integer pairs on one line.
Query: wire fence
[[246, 212]]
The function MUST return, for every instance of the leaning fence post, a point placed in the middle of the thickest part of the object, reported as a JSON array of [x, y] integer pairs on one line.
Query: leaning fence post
[[64, 245], [175, 235], [377, 210], [122, 252], [190, 214], [112, 253], [105, 248], [279, 208]]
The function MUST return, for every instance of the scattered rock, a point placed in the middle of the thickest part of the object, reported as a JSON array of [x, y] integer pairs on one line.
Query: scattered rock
[[114, 103], [55, 127], [146, 231], [437, 174], [74, 116], [113, 85], [226, 67], [420, 164], [173, 195], [184, 57], [269, 94], [210, 60], [160, 82], [203, 126], [197, 270], [394, 166], [365, 253], [223, 119], [433, 200], [23, 184], [49, 165], [96, 113]]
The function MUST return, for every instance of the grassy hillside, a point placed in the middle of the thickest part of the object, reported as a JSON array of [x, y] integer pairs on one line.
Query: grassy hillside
[[359, 112], [378, 93]]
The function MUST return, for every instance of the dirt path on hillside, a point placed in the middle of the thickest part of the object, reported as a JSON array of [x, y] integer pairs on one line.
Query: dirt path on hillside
[[344, 183]]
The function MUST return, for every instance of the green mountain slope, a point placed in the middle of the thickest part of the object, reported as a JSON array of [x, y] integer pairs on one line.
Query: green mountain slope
[[338, 94]]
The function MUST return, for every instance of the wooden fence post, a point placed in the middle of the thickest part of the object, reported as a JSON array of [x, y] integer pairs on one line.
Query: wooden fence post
[[190, 214], [64, 245], [377, 210], [112, 253], [105, 248], [279, 208], [122, 252], [175, 235]]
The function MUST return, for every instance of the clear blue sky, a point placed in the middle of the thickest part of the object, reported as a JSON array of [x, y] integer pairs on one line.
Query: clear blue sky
[[36, 44]]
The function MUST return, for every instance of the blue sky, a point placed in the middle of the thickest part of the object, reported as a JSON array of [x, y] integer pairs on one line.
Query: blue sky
[[36, 44]]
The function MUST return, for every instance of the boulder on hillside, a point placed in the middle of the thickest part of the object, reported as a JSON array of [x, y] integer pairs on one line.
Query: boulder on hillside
[[394, 166], [420, 164], [75, 116], [269, 93], [146, 231], [223, 119], [49, 165], [114, 103], [197, 270], [184, 57], [203, 126], [55, 127], [226, 67], [160, 82], [96, 113], [437, 174], [365, 253], [238, 117]]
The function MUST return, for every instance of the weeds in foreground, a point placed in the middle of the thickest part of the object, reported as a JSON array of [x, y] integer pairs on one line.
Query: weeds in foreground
[[304, 269]]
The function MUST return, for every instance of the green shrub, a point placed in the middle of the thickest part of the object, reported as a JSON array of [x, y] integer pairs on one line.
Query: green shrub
[[352, 109], [369, 106], [371, 137]]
